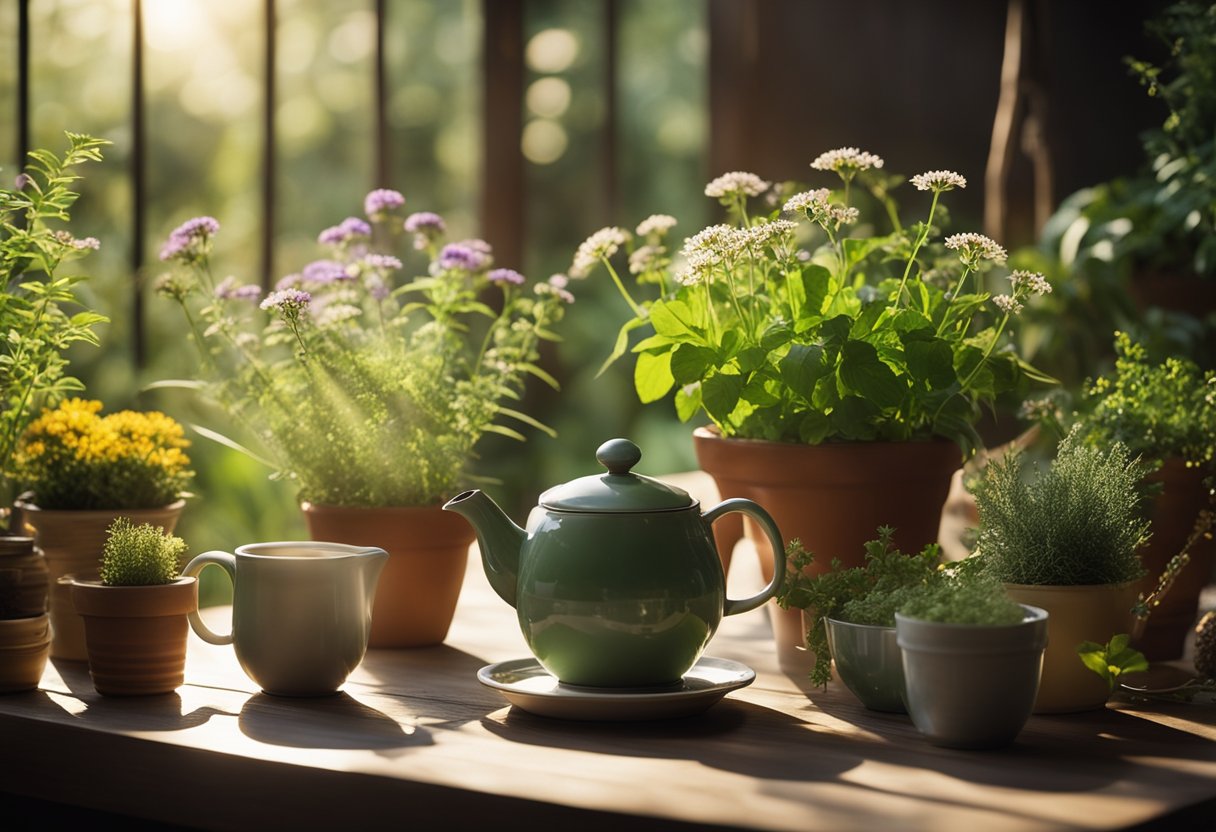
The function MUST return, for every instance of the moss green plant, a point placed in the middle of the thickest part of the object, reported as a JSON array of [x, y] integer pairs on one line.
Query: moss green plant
[[867, 594], [1075, 523], [142, 555], [974, 599]]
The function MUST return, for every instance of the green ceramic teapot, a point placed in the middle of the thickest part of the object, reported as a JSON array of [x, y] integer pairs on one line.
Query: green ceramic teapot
[[616, 580]]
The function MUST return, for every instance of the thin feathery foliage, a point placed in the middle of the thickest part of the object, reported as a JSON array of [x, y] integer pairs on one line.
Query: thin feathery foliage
[[1076, 523], [142, 555], [972, 599]]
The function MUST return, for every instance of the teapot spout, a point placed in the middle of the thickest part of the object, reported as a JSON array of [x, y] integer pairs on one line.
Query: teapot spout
[[498, 538]]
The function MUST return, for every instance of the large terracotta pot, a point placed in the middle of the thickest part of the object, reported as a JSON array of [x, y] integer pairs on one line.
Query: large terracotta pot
[[832, 497], [1173, 517], [428, 551], [24, 646], [72, 542], [136, 635], [1075, 614]]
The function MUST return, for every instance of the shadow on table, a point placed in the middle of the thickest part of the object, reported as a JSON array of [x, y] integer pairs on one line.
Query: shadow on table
[[335, 722], [439, 684], [715, 738], [162, 712]]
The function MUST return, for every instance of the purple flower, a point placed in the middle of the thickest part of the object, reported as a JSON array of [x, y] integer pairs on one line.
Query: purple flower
[[559, 281], [380, 201], [288, 302], [425, 222], [87, 242], [377, 287], [460, 256], [229, 289], [555, 286], [189, 241], [381, 261], [21, 181], [321, 272], [505, 276], [345, 231]]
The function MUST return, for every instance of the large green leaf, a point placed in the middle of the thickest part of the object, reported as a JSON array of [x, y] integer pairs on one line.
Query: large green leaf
[[863, 373], [652, 376], [802, 367], [671, 318], [853, 418], [690, 363], [930, 360], [688, 401], [814, 427], [720, 394], [816, 286]]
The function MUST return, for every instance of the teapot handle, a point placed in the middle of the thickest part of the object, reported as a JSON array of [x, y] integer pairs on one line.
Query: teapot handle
[[774, 537]]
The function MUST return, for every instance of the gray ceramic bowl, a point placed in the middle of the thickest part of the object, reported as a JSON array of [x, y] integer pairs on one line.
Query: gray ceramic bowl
[[868, 661]]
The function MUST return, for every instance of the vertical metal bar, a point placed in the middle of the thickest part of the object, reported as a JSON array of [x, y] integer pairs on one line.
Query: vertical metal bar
[[269, 157], [502, 194], [383, 172], [608, 147], [139, 345], [23, 81]]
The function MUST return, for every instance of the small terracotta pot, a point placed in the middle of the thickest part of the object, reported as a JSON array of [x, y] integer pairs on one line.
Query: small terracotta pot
[[1173, 514], [1076, 614], [23, 578], [136, 635], [428, 551], [832, 497], [25, 644], [72, 542]]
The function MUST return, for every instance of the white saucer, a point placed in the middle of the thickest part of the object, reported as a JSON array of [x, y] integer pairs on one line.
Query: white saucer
[[527, 685]]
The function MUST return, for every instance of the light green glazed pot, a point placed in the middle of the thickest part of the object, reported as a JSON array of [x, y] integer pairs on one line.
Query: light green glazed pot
[[869, 663]]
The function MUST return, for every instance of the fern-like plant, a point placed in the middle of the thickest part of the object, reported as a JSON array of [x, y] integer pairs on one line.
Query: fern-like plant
[[1076, 523], [973, 599], [142, 555]]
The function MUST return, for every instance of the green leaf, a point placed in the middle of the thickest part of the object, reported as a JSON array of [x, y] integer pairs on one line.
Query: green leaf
[[751, 359], [863, 373], [668, 318], [910, 320], [1035, 374], [814, 427], [865, 322], [720, 394], [802, 367], [857, 249], [816, 286], [932, 361], [756, 392], [690, 363], [528, 420], [622, 343], [652, 376], [835, 330], [215, 436], [688, 401], [854, 417]]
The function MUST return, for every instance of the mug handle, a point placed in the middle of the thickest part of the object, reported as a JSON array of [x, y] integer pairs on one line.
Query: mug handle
[[193, 568], [774, 537]]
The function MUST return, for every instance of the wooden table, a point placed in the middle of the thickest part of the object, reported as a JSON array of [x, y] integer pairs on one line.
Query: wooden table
[[415, 742]]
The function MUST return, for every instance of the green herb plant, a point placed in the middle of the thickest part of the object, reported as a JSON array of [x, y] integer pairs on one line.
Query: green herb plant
[[971, 598], [37, 293], [1113, 659], [800, 324], [868, 594], [1077, 522], [142, 555]]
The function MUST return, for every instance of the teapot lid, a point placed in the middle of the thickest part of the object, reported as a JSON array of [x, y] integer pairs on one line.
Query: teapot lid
[[619, 491]]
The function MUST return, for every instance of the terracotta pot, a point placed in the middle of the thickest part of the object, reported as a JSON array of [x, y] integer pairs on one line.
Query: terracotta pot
[[71, 542], [23, 578], [832, 497], [25, 644], [136, 635], [1075, 614], [428, 551], [1173, 516]]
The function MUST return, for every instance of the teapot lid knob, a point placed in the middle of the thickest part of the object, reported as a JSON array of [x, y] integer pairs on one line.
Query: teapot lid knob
[[618, 455]]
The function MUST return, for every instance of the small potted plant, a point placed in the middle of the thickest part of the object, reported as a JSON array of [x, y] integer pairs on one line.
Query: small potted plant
[[843, 367], [82, 470], [1066, 538], [39, 322], [972, 659], [369, 392], [1165, 412], [135, 615], [850, 616]]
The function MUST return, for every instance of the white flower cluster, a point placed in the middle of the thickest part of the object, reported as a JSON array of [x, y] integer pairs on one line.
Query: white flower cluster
[[1008, 305], [645, 259], [1033, 282], [656, 224], [736, 183], [973, 247], [846, 161], [765, 232], [808, 201], [599, 246], [938, 181]]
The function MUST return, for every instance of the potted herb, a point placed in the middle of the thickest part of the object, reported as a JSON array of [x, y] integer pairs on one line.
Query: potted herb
[[851, 616], [972, 659], [1066, 538], [82, 470], [370, 393], [39, 320], [1165, 412], [843, 368], [135, 615]]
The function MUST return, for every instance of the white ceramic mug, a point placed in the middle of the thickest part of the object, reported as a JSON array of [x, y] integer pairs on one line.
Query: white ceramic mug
[[301, 611]]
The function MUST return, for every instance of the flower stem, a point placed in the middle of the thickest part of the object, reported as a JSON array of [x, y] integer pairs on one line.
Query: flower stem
[[920, 241], [616, 278], [941, 327]]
